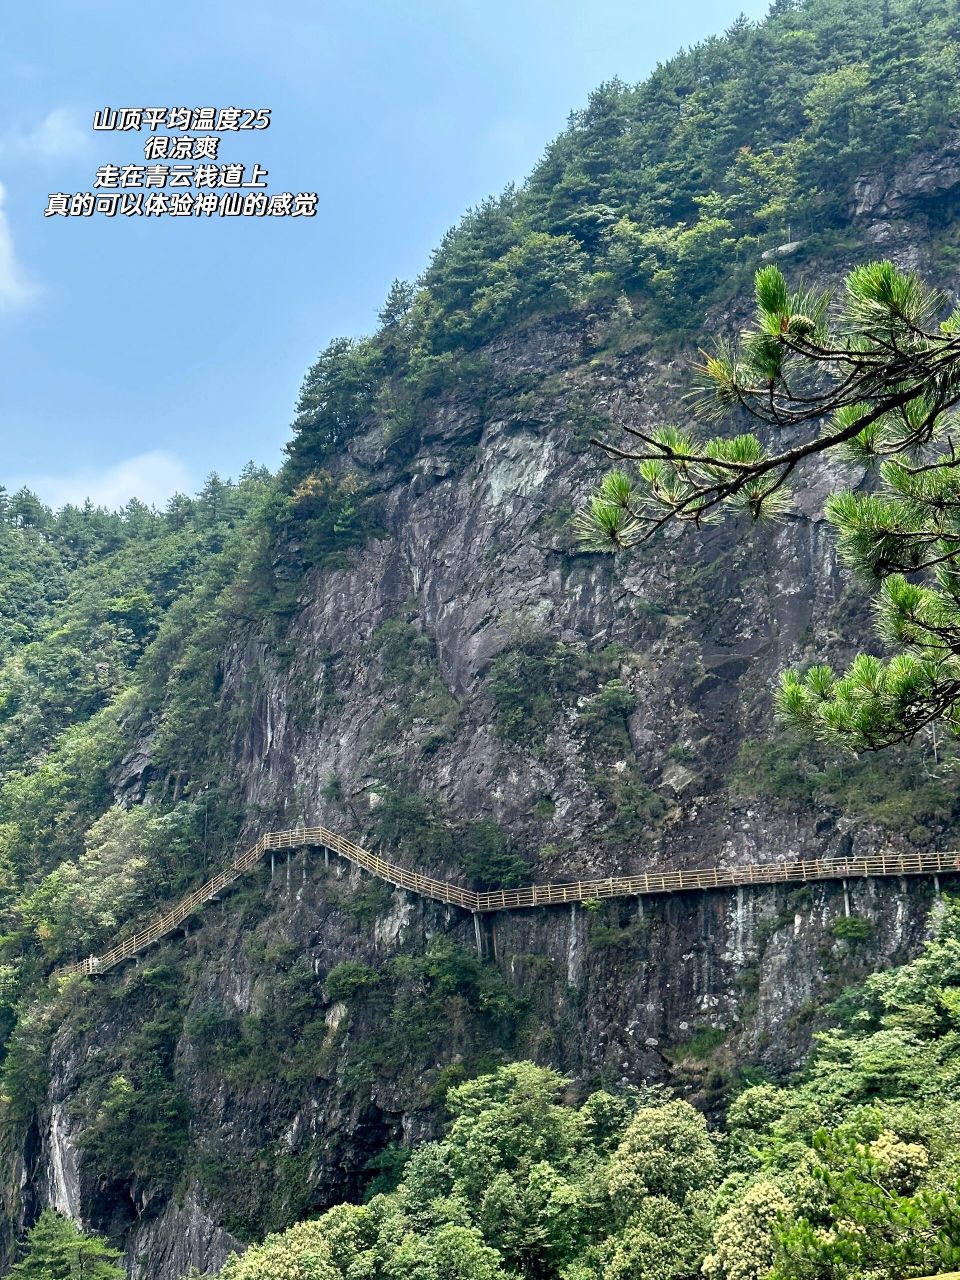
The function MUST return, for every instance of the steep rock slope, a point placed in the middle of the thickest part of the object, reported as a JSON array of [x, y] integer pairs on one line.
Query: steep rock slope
[[466, 665]]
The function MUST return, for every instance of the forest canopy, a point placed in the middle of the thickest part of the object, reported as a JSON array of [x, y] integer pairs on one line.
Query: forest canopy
[[659, 192]]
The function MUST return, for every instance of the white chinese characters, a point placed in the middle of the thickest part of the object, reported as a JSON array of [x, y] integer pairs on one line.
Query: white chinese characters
[[156, 188]]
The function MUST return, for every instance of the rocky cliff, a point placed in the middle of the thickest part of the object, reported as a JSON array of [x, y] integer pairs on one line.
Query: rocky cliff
[[469, 676]]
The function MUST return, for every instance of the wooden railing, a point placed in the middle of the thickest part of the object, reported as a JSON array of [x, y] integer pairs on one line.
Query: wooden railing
[[533, 895]]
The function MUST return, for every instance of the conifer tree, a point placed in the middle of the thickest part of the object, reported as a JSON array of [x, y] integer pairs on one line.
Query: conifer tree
[[56, 1249], [872, 376]]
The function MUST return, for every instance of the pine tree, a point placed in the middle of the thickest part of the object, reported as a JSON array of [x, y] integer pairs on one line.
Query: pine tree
[[56, 1249], [872, 376]]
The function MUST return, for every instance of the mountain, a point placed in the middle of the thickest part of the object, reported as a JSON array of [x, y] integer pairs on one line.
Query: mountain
[[398, 637]]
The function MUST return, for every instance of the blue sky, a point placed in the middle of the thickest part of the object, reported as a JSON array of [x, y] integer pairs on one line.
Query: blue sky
[[138, 355]]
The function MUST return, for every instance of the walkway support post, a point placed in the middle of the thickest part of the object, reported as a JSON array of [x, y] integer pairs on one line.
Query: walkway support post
[[479, 936]]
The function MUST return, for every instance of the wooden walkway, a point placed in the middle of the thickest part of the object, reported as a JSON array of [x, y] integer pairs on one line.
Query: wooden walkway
[[533, 895]]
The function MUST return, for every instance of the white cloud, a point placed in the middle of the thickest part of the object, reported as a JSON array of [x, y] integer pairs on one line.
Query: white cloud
[[15, 288], [58, 134], [152, 477]]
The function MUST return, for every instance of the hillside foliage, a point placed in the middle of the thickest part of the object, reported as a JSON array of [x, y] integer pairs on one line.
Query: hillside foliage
[[662, 195]]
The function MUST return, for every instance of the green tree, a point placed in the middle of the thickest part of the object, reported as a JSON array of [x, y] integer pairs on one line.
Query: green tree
[[873, 377], [450, 1253], [302, 1253], [744, 1245], [335, 397], [487, 857], [131, 859], [665, 1151], [660, 1242], [507, 1122], [541, 272], [56, 1249], [869, 1214]]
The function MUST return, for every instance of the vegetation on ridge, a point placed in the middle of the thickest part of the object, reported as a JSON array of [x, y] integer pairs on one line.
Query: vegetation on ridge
[[656, 199]]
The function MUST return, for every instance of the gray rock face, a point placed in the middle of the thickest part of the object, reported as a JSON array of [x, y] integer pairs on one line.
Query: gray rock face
[[62, 1178], [926, 177], [476, 558], [182, 1236]]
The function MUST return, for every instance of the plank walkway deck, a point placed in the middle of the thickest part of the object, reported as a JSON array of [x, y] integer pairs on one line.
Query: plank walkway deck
[[532, 895]]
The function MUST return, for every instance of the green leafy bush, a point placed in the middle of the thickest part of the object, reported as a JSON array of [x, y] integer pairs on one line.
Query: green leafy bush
[[851, 929], [349, 979], [486, 856], [531, 681]]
